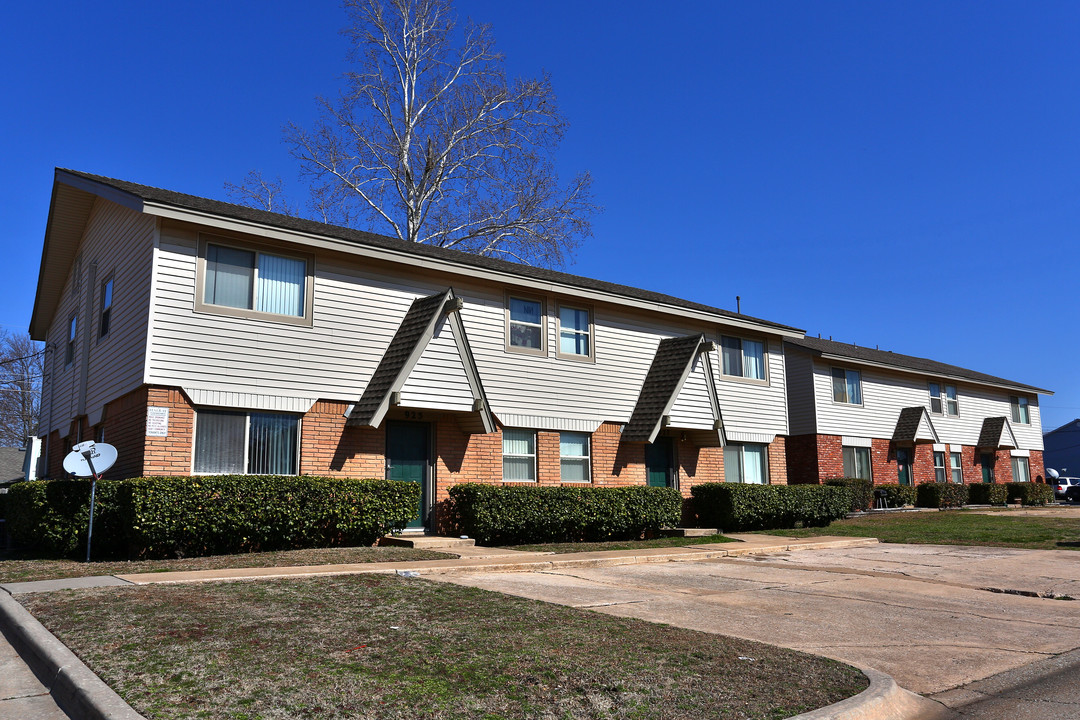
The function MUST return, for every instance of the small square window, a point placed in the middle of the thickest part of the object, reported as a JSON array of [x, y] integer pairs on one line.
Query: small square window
[[575, 332], [525, 324], [106, 307], [847, 386], [857, 462], [745, 463], [519, 454], [1020, 410], [574, 456], [742, 358]]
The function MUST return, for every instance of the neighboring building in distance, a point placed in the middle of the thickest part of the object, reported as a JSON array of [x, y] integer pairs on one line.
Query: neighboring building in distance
[[203, 337], [1062, 449], [11, 464], [860, 412]]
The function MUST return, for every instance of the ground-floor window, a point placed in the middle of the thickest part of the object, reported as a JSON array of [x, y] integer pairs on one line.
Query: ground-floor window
[[745, 463], [1021, 470], [857, 462], [574, 456], [939, 466], [254, 443], [519, 454], [956, 467]]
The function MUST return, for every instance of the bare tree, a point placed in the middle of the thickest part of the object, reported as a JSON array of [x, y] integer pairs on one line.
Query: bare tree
[[434, 144], [21, 368]]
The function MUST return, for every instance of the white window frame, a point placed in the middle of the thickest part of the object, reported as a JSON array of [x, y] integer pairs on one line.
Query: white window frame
[[945, 406], [855, 451], [941, 470], [72, 338], [590, 334], [542, 350], [535, 446], [201, 274], [247, 437], [1018, 403], [833, 379], [1026, 464], [742, 463], [742, 359], [105, 310], [957, 468], [587, 457]]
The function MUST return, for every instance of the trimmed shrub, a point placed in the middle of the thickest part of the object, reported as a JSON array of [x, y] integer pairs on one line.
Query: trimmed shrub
[[941, 495], [988, 494], [207, 515], [519, 514], [897, 495], [1028, 493], [862, 492], [735, 507]]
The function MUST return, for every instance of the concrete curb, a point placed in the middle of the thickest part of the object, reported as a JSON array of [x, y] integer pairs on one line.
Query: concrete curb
[[883, 700], [73, 686]]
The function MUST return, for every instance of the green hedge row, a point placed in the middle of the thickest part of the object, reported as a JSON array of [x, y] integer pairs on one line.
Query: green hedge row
[[207, 515], [735, 507], [862, 492], [494, 514], [941, 495], [988, 494], [897, 495], [1028, 493]]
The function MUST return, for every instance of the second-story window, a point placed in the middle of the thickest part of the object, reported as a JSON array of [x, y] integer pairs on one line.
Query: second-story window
[[743, 358], [1020, 410], [943, 400], [73, 330], [106, 308], [525, 324], [250, 280], [575, 332], [847, 386]]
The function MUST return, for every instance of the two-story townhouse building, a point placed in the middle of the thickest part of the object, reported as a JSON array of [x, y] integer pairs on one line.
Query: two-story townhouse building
[[198, 336], [863, 412]]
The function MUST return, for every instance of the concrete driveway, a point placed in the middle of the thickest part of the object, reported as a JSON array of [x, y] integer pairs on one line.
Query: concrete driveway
[[917, 612]]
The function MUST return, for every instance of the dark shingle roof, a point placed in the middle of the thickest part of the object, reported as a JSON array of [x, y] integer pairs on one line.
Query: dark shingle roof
[[990, 436], [669, 365], [409, 333], [239, 212], [907, 425], [905, 362], [11, 464]]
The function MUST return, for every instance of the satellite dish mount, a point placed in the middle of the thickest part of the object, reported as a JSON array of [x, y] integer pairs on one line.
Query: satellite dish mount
[[90, 459]]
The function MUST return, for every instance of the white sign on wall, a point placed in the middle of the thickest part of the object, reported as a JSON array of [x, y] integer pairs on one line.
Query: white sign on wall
[[157, 422]]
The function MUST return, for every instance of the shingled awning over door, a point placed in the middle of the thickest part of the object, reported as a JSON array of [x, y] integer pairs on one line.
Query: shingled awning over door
[[997, 433], [914, 425]]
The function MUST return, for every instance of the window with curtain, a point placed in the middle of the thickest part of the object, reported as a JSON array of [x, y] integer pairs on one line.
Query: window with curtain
[[525, 329], [1020, 410], [228, 442], [847, 386], [745, 463], [575, 328], [742, 358], [943, 400], [519, 454], [956, 467], [574, 456], [939, 467], [857, 462], [252, 280], [1021, 469]]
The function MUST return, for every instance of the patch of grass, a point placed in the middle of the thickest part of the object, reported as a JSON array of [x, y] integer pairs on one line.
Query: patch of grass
[[386, 647], [955, 527], [622, 544], [22, 568]]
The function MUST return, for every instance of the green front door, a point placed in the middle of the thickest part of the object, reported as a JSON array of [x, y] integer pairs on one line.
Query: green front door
[[903, 466], [987, 462], [408, 458], [660, 463]]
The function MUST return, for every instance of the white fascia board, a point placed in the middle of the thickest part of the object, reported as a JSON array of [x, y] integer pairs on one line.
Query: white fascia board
[[126, 199], [466, 271], [931, 375]]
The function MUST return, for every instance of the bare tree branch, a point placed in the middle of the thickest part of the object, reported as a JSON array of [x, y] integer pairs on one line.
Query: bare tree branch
[[432, 143], [21, 367]]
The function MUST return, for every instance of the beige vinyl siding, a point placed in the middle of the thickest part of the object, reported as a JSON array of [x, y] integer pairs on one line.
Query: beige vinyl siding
[[885, 393], [121, 243], [438, 381], [692, 408], [800, 392], [755, 407], [358, 308]]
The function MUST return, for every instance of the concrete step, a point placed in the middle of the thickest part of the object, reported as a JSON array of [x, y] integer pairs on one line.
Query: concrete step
[[689, 532], [427, 542]]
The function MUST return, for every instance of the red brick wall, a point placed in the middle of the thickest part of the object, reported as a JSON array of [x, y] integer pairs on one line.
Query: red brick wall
[[329, 448], [170, 455], [778, 462], [1038, 470], [124, 425]]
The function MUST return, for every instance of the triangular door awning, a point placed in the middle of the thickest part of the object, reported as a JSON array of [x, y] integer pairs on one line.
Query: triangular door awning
[[914, 426], [428, 364], [679, 392], [997, 433]]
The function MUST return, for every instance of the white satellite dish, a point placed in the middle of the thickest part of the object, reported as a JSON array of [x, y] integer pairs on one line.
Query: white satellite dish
[[84, 454], [1052, 473]]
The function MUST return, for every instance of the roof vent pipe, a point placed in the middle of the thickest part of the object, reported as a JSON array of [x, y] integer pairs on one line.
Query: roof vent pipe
[[738, 305]]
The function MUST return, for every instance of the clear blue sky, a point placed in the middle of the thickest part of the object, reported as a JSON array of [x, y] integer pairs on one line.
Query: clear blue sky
[[901, 174]]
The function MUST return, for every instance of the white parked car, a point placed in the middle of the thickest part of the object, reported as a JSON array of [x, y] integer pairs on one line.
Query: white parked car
[[1062, 485]]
